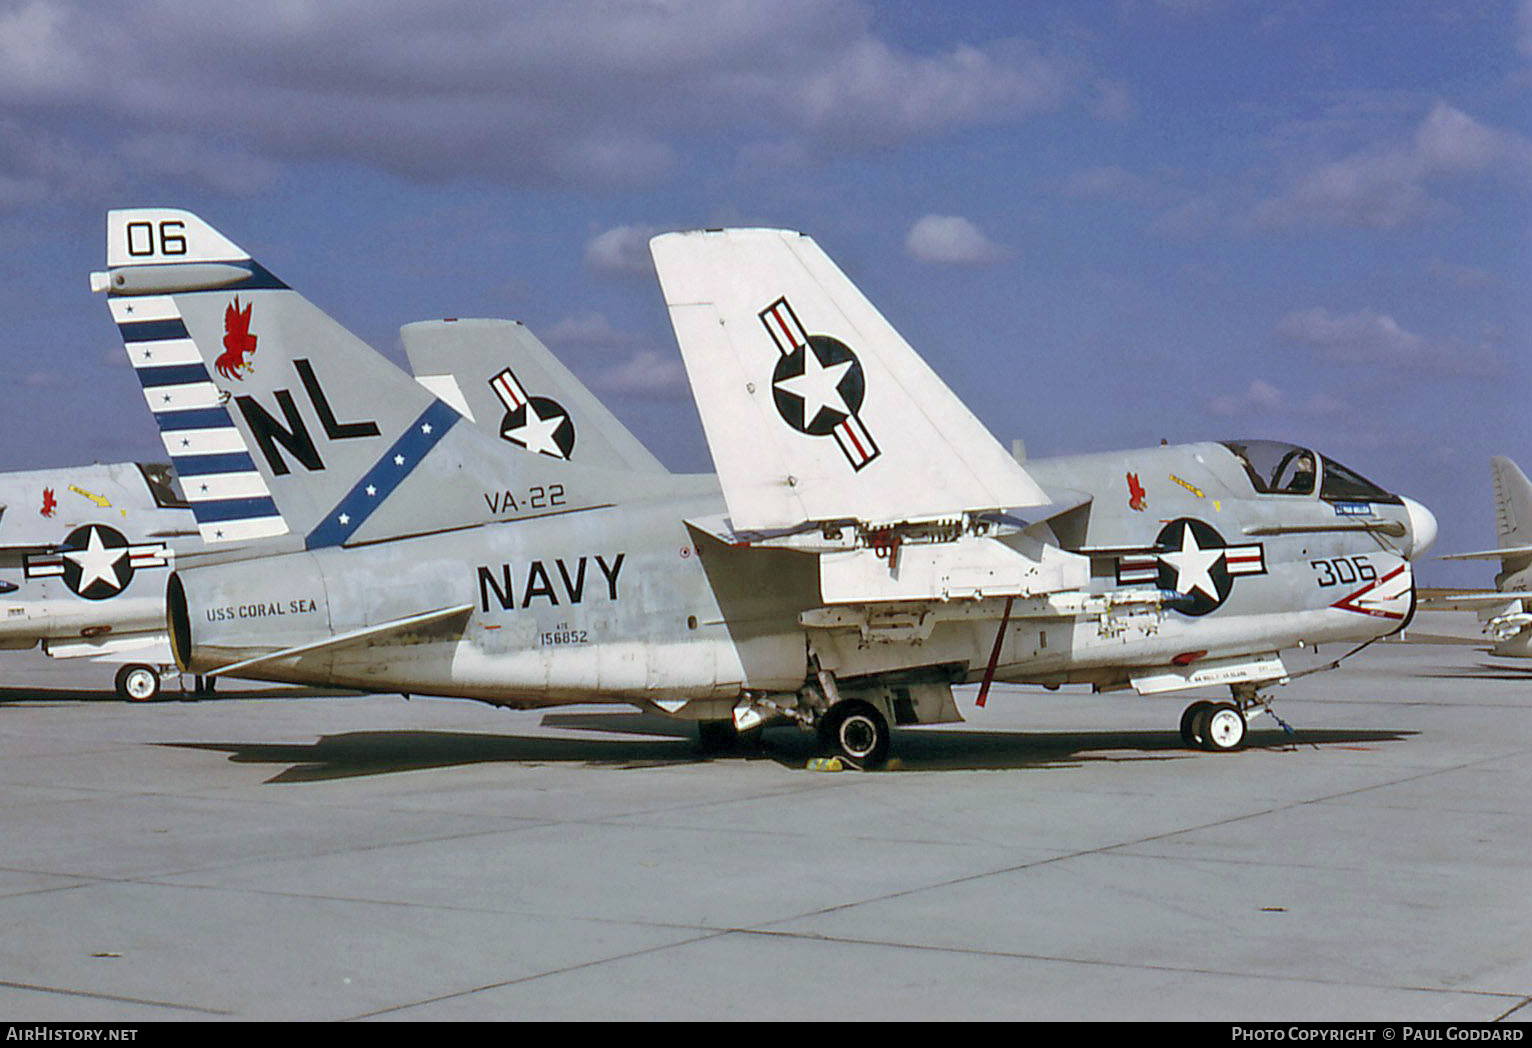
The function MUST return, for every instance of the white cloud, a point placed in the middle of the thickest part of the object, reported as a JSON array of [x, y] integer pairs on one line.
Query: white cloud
[[588, 330], [1387, 186], [541, 92], [951, 240], [646, 375], [622, 250], [1372, 338], [37, 60], [1262, 398], [871, 93]]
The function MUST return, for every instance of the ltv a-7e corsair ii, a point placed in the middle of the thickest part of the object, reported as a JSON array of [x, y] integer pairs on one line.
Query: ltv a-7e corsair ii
[[865, 545], [85, 550], [84, 555]]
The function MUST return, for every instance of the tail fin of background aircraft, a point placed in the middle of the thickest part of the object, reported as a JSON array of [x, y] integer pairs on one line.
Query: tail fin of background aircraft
[[1505, 611], [508, 383], [1512, 625], [277, 419], [1513, 519], [1513, 503], [815, 408]]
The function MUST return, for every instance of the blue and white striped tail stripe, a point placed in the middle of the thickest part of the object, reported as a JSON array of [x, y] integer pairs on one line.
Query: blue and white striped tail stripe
[[228, 497]]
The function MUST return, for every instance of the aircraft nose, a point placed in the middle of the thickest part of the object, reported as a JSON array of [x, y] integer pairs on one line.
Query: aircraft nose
[[1422, 525]]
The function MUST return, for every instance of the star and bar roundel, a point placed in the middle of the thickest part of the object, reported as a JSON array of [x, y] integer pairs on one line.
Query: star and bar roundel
[[96, 561], [537, 423], [818, 385], [1194, 561]]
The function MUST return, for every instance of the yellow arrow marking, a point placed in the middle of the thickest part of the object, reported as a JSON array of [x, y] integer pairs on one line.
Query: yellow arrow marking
[[1188, 486], [100, 500]]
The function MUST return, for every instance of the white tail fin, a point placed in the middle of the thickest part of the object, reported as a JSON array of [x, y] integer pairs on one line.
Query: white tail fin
[[150, 252], [815, 409], [280, 421]]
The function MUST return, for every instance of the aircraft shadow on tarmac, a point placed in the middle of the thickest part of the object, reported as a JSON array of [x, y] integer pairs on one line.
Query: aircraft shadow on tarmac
[[665, 742], [72, 695], [1483, 671]]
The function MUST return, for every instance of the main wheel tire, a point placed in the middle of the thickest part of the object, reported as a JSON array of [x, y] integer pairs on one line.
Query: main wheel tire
[[859, 733], [1189, 729], [137, 683], [1223, 728]]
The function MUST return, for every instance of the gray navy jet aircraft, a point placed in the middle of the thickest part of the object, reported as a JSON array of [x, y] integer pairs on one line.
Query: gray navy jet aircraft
[[84, 554], [85, 550], [866, 544], [1505, 612]]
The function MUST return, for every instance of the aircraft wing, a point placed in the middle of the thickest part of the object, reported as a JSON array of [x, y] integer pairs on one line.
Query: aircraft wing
[[1491, 554], [1467, 600], [814, 407]]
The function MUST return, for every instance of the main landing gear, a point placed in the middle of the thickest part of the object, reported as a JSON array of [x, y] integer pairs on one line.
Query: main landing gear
[[141, 682], [856, 731], [1223, 727], [138, 683]]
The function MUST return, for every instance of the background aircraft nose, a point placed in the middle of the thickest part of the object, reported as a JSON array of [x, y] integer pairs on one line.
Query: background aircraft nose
[[1422, 523]]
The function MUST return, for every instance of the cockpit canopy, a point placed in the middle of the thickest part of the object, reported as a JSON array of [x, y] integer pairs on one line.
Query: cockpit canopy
[[1277, 468], [164, 485]]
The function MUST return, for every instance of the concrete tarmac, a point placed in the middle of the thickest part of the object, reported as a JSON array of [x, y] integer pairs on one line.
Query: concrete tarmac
[[1060, 856]]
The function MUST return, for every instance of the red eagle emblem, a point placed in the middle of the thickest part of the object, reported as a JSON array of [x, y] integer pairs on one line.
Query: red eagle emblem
[[50, 504], [1138, 498], [238, 343]]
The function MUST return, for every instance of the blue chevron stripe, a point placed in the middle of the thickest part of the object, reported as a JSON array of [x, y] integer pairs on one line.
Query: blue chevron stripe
[[383, 478]]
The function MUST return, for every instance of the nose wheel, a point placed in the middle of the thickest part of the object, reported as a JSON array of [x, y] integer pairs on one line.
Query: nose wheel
[[1218, 727]]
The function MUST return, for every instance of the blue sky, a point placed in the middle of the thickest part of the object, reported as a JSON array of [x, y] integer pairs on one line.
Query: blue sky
[[1104, 224]]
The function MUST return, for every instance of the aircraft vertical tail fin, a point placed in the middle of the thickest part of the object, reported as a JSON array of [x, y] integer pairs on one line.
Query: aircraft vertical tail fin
[[1513, 503], [815, 408], [277, 419], [1513, 529], [506, 381]]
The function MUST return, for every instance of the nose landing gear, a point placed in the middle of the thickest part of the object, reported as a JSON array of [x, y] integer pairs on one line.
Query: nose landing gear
[[1223, 727]]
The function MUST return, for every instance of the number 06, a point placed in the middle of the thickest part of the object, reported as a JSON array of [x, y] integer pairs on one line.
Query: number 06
[[143, 242]]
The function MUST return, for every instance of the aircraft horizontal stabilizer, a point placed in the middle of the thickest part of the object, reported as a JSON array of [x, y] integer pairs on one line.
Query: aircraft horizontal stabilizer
[[369, 633], [814, 407]]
